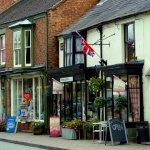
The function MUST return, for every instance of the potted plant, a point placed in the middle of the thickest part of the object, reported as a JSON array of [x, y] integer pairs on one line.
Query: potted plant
[[95, 84], [121, 103], [2, 125], [72, 129], [99, 102], [88, 127], [37, 127]]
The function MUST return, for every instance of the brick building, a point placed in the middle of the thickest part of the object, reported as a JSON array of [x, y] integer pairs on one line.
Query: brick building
[[29, 46]]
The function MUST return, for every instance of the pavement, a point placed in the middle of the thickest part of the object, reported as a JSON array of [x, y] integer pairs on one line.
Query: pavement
[[58, 143]]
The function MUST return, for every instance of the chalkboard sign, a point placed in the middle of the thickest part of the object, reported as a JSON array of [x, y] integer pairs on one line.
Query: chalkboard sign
[[117, 131]]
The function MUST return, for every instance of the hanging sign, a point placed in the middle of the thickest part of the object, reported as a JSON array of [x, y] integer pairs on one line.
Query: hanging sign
[[119, 85], [57, 87]]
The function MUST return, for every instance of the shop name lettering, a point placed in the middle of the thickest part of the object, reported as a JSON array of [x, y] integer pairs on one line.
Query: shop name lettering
[[117, 127]]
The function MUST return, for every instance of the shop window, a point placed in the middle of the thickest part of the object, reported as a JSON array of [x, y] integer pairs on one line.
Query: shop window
[[134, 98], [116, 86], [73, 51], [22, 47], [129, 40], [27, 91], [2, 49], [2, 99]]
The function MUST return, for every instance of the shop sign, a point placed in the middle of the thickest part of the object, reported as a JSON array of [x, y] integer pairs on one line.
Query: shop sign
[[54, 126], [57, 87], [66, 79], [10, 124]]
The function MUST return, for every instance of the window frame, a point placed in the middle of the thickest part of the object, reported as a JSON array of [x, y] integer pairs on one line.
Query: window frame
[[17, 49], [26, 47], [2, 49], [23, 61], [129, 44], [73, 51]]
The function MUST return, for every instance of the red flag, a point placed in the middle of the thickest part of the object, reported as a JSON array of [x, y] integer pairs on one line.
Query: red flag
[[87, 49]]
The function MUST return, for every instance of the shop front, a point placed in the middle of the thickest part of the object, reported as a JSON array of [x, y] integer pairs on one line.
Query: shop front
[[125, 80], [74, 102]]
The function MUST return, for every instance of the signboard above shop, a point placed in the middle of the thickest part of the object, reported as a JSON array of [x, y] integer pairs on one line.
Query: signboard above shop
[[66, 79]]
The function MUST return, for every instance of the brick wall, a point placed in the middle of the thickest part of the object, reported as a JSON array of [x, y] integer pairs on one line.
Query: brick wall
[[9, 51], [4, 4], [60, 18], [40, 37]]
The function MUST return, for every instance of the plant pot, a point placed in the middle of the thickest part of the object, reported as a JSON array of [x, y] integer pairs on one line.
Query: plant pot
[[38, 131]]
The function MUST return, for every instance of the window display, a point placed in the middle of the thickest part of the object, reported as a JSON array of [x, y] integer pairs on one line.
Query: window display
[[27, 91]]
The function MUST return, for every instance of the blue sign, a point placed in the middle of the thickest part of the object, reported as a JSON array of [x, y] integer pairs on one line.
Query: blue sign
[[10, 124]]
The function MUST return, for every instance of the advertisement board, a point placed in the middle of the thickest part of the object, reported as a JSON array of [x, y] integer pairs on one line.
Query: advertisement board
[[54, 126]]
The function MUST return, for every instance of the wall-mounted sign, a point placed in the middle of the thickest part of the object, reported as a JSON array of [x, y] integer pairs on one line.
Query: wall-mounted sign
[[57, 87], [66, 79]]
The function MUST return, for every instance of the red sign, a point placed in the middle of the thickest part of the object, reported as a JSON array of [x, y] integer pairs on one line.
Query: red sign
[[55, 126], [26, 96]]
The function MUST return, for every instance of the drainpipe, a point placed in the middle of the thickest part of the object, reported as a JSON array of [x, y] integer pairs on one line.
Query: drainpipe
[[46, 124], [101, 46]]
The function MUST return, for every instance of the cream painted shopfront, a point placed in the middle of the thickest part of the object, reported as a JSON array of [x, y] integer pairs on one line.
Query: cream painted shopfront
[[27, 97]]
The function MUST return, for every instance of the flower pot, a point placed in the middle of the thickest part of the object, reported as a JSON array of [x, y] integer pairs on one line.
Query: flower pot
[[38, 131]]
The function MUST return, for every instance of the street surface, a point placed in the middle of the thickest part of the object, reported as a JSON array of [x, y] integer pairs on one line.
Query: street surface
[[11, 146]]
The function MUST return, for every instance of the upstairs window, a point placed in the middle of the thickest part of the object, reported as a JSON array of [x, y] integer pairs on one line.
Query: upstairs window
[[68, 52], [73, 51], [27, 47], [17, 48], [79, 56], [129, 42], [22, 47], [2, 49]]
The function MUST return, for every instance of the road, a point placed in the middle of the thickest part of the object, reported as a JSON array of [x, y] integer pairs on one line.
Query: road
[[11, 146]]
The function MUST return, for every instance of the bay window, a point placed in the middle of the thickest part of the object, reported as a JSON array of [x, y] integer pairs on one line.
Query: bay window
[[22, 47], [73, 51], [17, 48]]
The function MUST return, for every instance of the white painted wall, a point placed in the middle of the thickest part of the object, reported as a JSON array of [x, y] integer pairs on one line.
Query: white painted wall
[[93, 36], [114, 53]]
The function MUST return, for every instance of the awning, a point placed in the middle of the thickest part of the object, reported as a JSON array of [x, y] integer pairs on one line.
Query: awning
[[19, 23]]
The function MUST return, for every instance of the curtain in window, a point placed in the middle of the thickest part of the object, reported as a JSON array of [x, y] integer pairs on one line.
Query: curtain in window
[[134, 95]]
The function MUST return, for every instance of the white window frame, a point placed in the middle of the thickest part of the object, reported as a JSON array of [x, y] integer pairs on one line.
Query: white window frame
[[2, 49], [17, 49], [26, 47]]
